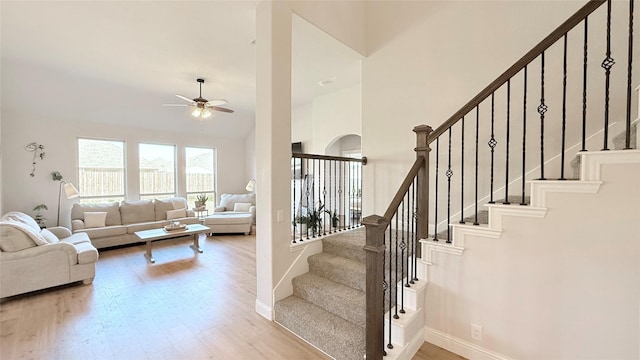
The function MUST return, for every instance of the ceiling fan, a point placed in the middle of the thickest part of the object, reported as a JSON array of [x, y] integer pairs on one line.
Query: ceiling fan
[[201, 106]]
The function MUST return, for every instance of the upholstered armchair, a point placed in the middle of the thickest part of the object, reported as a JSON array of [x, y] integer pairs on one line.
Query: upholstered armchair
[[237, 203], [33, 259]]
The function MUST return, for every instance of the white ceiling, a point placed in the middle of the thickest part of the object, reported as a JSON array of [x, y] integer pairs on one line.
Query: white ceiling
[[118, 62]]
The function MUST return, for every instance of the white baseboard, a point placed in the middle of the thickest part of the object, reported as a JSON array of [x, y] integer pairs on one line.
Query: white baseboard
[[459, 346], [264, 310]]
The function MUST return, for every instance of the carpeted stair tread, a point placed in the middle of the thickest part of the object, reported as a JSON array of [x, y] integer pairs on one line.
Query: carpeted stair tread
[[336, 336], [344, 301], [345, 271], [347, 244]]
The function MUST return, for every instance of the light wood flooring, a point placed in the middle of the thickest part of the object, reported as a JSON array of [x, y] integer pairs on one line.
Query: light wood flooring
[[185, 306]]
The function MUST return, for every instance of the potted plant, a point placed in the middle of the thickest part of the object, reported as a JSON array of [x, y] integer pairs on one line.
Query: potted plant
[[39, 218], [201, 201], [333, 216], [313, 220]]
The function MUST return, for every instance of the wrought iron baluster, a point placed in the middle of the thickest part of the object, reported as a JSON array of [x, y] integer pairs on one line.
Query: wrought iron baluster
[[524, 135], [627, 137], [411, 234], [391, 285], [385, 287], [435, 230], [395, 280], [449, 175], [403, 247], [462, 173], [294, 212], [417, 210], [607, 64], [564, 108], [492, 146], [506, 166], [542, 109], [324, 196], [584, 85], [475, 222]]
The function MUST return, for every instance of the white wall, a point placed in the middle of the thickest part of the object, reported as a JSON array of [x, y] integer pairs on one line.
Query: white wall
[[250, 151], [344, 21], [566, 286], [426, 60], [302, 126], [59, 135]]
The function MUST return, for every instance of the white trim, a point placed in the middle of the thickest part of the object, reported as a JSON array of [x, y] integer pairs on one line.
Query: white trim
[[264, 310], [498, 211], [540, 189], [459, 346], [592, 161], [406, 352], [429, 247]]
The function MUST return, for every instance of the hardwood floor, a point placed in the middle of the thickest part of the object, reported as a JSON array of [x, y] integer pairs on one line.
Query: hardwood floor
[[185, 306]]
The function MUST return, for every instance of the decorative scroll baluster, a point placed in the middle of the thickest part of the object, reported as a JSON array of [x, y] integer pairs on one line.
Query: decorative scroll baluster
[[295, 204], [412, 234], [475, 222], [394, 281], [416, 211], [449, 175], [390, 284], [607, 64], [324, 197], [403, 247], [492, 145], [542, 108], [435, 230], [462, 174], [627, 137], [524, 135], [564, 108], [506, 172], [584, 85]]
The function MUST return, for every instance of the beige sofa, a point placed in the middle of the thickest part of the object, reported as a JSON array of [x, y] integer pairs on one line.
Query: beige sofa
[[123, 219], [237, 204], [33, 259]]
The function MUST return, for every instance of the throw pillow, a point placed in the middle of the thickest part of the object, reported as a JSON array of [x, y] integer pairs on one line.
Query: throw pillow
[[50, 237], [176, 214], [95, 219], [242, 207]]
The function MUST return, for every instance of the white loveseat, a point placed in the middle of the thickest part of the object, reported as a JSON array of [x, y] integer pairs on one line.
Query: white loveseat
[[237, 204], [33, 259], [123, 219]]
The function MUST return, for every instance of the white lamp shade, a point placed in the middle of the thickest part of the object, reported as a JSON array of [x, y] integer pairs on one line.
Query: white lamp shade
[[70, 191], [251, 185]]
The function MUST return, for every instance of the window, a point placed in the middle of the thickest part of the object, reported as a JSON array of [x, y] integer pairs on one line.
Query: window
[[201, 173], [101, 170], [157, 171]]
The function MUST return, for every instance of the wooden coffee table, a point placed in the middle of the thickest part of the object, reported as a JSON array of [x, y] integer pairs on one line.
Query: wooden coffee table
[[159, 234]]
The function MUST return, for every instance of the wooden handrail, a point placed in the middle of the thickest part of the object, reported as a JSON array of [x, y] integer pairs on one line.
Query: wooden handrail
[[543, 45], [404, 187], [363, 160]]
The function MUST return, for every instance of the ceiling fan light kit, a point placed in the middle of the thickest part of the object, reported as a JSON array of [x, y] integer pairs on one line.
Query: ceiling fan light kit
[[201, 107]]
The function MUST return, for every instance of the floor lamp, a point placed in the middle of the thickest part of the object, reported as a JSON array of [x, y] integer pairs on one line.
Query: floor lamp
[[70, 191]]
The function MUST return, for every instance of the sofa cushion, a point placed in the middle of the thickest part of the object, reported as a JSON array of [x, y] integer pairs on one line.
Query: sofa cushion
[[229, 200], [77, 238], [22, 218], [176, 214], [112, 210], [105, 231], [133, 212], [95, 219], [161, 207], [144, 226], [50, 237], [241, 207], [14, 239]]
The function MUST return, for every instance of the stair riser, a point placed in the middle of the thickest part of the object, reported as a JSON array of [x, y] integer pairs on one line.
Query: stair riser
[[403, 331], [354, 277]]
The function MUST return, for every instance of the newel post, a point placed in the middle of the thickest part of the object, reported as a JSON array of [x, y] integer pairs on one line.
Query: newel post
[[422, 150], [375, 227]]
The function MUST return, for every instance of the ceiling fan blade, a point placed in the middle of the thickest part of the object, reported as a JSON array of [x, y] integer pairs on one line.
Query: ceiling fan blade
[[216, 102], [184, 98], [218, 108], [176, 105]]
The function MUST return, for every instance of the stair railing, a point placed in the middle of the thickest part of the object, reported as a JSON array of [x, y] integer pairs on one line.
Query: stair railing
[[492, 109], [326, 195]]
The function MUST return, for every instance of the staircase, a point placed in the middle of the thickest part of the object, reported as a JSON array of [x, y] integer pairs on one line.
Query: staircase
[[327, 308]]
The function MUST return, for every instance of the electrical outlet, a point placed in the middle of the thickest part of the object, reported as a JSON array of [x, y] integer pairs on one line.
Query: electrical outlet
[[476, 332]]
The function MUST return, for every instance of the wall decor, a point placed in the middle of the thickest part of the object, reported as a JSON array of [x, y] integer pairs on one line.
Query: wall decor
[[38, 152]]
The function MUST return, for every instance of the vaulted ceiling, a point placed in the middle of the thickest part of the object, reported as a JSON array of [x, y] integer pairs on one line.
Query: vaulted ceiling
[[118, 62]]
